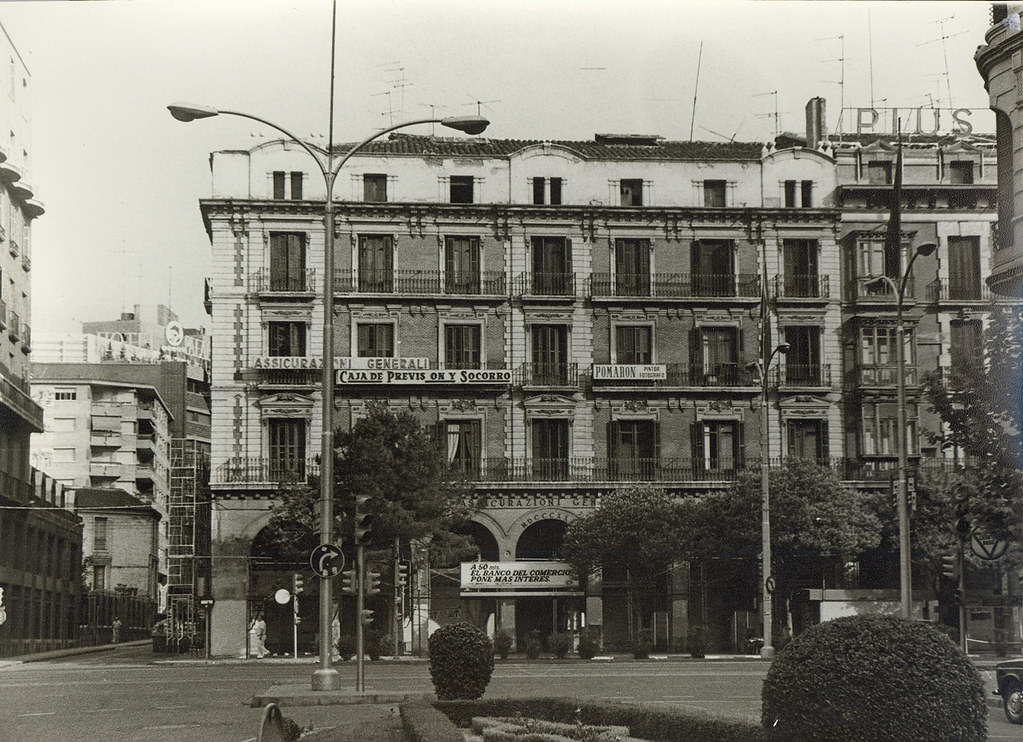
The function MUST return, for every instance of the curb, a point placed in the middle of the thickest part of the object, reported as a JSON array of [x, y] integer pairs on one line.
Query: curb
[[302, 695]]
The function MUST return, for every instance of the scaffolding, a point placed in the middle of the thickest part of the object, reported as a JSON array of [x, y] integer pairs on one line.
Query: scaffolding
[[188, 539]]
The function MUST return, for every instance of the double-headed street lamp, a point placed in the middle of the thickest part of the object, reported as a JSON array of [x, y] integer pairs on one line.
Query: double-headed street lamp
[[902, 505], [767, 585], [329, 164]]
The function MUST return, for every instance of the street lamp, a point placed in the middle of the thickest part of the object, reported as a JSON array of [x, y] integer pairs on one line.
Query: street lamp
[[767, 586], [902, 506], [326, 677]]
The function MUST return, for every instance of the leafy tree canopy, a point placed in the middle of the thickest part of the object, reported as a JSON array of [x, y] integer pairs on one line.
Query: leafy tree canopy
[[391, 458], [811, 511], [980, 401], [636, 528]]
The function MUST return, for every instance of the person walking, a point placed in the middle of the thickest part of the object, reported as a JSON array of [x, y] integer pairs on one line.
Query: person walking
[[257, 637]]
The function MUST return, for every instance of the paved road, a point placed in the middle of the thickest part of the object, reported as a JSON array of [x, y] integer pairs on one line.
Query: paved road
[[127, 695]]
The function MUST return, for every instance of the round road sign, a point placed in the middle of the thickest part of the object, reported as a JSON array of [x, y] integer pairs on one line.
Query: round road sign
[[327, 560], [986, 548]]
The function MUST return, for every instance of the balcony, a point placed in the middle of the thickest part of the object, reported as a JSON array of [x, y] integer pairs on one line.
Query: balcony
[[545, 285], [866, 293], [105, 469], [803, 375], [3, 314], [26, 339], [958, 291], [798, 287], [675, 286], [13, 326], [262, 282], [105, 439], [547, 374], [887, 376], [26, 263], [22, 189], [12, 246], [420, 283], [263, 471]]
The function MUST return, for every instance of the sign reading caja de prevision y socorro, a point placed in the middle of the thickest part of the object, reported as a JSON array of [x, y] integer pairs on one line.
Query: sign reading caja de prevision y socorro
[[518, 577]]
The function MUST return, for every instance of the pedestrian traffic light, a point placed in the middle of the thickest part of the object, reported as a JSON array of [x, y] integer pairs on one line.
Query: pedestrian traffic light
[[363, 520], [367, 616], [372, 583], [950, 566], [349, 585], [297, 585], [403, 570]]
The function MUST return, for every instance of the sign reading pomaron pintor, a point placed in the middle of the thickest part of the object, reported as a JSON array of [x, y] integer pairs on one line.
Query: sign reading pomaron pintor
[[532, 577]]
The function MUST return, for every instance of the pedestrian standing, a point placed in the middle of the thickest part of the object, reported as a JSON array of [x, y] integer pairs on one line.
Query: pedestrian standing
[[257, 637], [115, 629]]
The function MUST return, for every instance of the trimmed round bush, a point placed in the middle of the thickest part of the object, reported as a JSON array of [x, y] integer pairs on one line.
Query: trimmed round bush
[[873, 678], [461, 661]]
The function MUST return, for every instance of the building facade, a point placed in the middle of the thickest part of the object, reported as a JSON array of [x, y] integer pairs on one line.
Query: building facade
[[40, 560], [575, 317]]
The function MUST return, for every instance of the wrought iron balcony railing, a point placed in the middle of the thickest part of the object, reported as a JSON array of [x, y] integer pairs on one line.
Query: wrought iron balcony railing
[[265, 471], [675, 285], [420, 282], [558, 284], [301, 282], [547, 374], [957, 289], [802, 286]]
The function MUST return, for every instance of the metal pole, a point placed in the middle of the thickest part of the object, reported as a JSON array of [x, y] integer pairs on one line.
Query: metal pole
[[905, 572], [360, 602], [767, 650], [397, 595]]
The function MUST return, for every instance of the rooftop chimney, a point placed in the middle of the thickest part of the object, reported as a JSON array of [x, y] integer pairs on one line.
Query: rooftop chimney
[[816, 122]]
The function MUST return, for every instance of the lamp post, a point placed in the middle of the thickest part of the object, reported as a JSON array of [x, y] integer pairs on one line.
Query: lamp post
[[325, 677], [767, 586], [902, 505]]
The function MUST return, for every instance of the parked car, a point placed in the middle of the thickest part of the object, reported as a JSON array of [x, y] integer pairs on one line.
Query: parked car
[[1009, 679]]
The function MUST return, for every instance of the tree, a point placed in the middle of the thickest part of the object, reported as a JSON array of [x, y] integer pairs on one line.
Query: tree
[[391, 458], [980, 402], [815, 519], [636, 530]]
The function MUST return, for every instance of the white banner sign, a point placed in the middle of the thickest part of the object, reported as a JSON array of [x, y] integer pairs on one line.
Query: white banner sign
[[316, 362], [518, 576], [624, 372], [435, 376]]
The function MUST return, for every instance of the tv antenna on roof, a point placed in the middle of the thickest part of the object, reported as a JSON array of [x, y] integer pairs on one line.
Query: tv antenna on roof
[[841, 77], [390, 110], [399, 83], [774, 115], [730, 139], [479, 105], [944, 51]]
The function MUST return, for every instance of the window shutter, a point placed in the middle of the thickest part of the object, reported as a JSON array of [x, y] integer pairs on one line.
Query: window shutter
[[696, 445], [657, 442], [695, 354], [825, 445]]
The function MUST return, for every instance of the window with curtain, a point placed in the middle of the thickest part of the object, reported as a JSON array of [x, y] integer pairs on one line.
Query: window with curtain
[[287, 448], [632, 267], [286, 338], [634, 344], [462, 265], [287, 262], [463, 442]]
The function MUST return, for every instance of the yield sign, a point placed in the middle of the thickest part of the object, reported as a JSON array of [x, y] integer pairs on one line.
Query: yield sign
[[985, 547]]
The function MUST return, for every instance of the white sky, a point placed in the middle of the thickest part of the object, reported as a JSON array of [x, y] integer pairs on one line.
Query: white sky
[[121, 179]]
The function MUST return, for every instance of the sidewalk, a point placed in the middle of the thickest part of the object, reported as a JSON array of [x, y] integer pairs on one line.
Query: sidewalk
[[70, 652]]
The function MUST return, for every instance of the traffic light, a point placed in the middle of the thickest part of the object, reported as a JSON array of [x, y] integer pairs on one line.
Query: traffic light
[[960, 597], [296, 583], [950, 566], [372, 583], [367, 616], [363, 520], [403, 569], [349, 585]]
